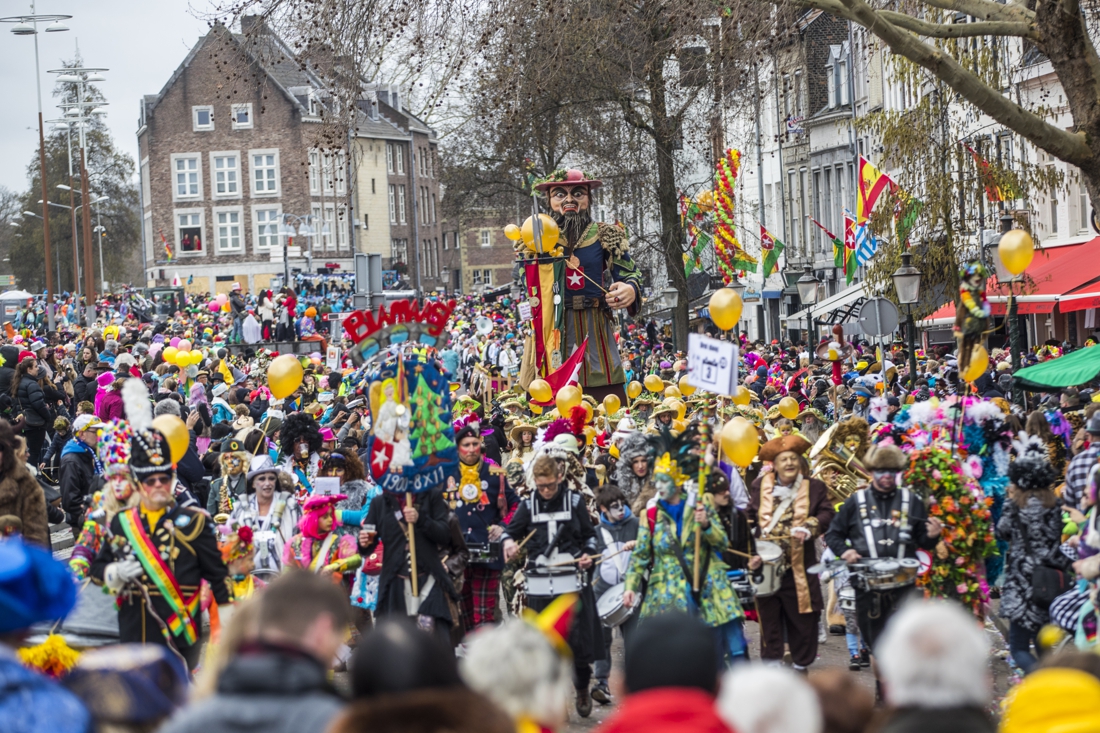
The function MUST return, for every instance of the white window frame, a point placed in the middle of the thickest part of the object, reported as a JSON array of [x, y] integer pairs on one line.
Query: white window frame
[[314, 172], [402, 218], [399, 151], [393, 204], [236, 155], [339, 173], [176, 213], [195, 126], [389, 157], [256, 224], [253, 179], [234, 109], [216, 212], [487, 277], [477, 277], [175, 192], [485, 238]]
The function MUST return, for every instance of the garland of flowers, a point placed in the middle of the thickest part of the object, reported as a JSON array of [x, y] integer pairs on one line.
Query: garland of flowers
[[730, 255], [958, 562]]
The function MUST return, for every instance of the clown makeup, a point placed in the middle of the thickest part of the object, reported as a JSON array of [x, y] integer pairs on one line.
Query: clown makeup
[[569, 200], [264, 485], [234, 464], [120, 487], [615, 511], [666, 488]]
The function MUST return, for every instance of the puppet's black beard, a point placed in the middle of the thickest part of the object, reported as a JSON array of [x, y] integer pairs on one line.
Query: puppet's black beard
[[573, 226]]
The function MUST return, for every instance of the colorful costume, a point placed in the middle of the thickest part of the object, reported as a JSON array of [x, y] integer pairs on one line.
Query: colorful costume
[[319, 551], [973, 312]]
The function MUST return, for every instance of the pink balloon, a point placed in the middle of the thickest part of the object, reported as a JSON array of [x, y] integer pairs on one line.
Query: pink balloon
[[175, 341], [222, 299], [184, 345], [213, 306]]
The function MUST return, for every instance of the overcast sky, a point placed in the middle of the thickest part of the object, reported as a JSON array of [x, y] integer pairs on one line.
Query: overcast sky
[[140, 41]]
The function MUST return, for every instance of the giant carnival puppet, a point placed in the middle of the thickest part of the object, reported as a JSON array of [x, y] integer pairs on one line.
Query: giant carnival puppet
[[574, 284]]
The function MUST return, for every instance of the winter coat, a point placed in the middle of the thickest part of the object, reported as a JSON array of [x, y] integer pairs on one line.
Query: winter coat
[[31, 401], [21, 496], [53, 453], [454, 709], [1033, 534], [77, 478], [669, 588], [84, 388], [266, 689], [666, 710], [112, 408], [31, 702]]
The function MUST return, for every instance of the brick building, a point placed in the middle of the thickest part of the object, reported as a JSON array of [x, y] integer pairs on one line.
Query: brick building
[[487, 257], [230, 149]]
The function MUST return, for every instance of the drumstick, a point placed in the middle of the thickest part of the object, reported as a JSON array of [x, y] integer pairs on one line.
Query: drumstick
[[573, 560], [521, 544]]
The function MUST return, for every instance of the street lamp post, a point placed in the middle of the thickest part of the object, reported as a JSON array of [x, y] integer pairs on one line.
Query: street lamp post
[[27, 25], [807, 293], [80, 111], [64, 124], [907, 284]]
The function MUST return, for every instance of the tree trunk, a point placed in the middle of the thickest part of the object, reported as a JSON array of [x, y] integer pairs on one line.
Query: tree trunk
[[672, 232]]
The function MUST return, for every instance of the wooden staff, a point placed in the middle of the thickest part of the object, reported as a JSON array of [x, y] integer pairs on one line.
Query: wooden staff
[[704, 438], [412, 549]]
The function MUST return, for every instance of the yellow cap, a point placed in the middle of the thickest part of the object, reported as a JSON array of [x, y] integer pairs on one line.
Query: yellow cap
[[1054, 701]]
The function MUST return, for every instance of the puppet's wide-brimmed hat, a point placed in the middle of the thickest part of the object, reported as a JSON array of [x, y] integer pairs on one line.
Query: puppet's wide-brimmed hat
[[571, 177]]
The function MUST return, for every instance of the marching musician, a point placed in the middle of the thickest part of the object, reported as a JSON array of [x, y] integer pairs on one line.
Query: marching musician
[[790, 509], [562, 539], [884, 521], [481, 501], [158, 555]]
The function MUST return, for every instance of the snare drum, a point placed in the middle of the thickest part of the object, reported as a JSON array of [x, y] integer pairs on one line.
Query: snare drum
[[610, 606], [741, 586], [770, 573], [847, 599], [890, 574], [544, 583]]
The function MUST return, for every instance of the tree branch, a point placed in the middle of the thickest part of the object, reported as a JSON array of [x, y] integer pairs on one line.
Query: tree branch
[[984, 9], [961, 30], [1070, 147]]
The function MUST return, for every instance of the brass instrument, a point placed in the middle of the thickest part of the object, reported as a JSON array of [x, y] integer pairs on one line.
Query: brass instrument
[[225, 502], [841, 471]]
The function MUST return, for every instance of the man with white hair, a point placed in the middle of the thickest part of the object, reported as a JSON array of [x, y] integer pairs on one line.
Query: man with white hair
[[933, 663]]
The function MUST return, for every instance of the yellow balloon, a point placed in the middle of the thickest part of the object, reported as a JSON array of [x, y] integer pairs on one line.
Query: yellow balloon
[[741, 395], [680, 407], [589, 435], [654, 383], [979, 362], [686, 389], [1016, 250], [550, 233], [535, 409], [183, 358], [284, 375], [633, 389], [568, 398], [512, 232], [672, 392], [173, 429], [679, 425], [587, 412], [725, 308], [170, 354], [612, 403], [788, 408], [740, 441], [540, 390], [196, 357]]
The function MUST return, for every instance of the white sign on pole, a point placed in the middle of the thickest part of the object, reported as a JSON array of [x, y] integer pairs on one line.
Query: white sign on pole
[[524, 311], [712, 364], [332, 358]]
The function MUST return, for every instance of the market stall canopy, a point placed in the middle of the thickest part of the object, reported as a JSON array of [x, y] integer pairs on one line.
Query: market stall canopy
[[1072, 370], [15, 295]]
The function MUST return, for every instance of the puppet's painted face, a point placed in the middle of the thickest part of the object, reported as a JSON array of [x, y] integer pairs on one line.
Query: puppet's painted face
[[852, 443], [786, 430], [569, 199], [666, 487], [974, 280], [234, 464], [120, 487]]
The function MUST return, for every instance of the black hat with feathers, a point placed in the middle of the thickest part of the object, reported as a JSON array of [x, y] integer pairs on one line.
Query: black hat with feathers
[[1031, 469]]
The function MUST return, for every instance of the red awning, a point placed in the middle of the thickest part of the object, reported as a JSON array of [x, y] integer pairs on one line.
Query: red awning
[[1055, 273]]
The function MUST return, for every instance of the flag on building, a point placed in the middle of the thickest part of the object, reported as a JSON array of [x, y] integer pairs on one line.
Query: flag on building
[[850, 261], [167, 249], [906, 210], [838, 245], [872, 182], [866, 244], [771, 249], [993, 192]]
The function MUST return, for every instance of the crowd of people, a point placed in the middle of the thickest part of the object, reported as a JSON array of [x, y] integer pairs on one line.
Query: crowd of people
[[467, 511]]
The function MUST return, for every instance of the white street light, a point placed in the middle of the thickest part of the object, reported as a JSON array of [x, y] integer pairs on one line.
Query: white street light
[[23, 29], [56, 27], [70, 78]]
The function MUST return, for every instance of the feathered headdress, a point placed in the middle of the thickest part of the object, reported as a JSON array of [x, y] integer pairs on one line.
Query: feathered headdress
[[677, 455], [1031, 470]]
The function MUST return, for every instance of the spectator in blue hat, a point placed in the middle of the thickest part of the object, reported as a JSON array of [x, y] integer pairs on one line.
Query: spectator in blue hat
[[33, 588]]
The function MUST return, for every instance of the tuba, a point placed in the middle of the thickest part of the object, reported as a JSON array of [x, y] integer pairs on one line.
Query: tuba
[[841, 471]]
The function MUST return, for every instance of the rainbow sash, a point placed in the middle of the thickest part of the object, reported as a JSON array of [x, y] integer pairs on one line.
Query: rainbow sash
[[182, 620]]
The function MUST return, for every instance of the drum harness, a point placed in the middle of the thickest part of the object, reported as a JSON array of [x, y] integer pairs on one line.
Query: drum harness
[[551, 519], [869, 534]]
